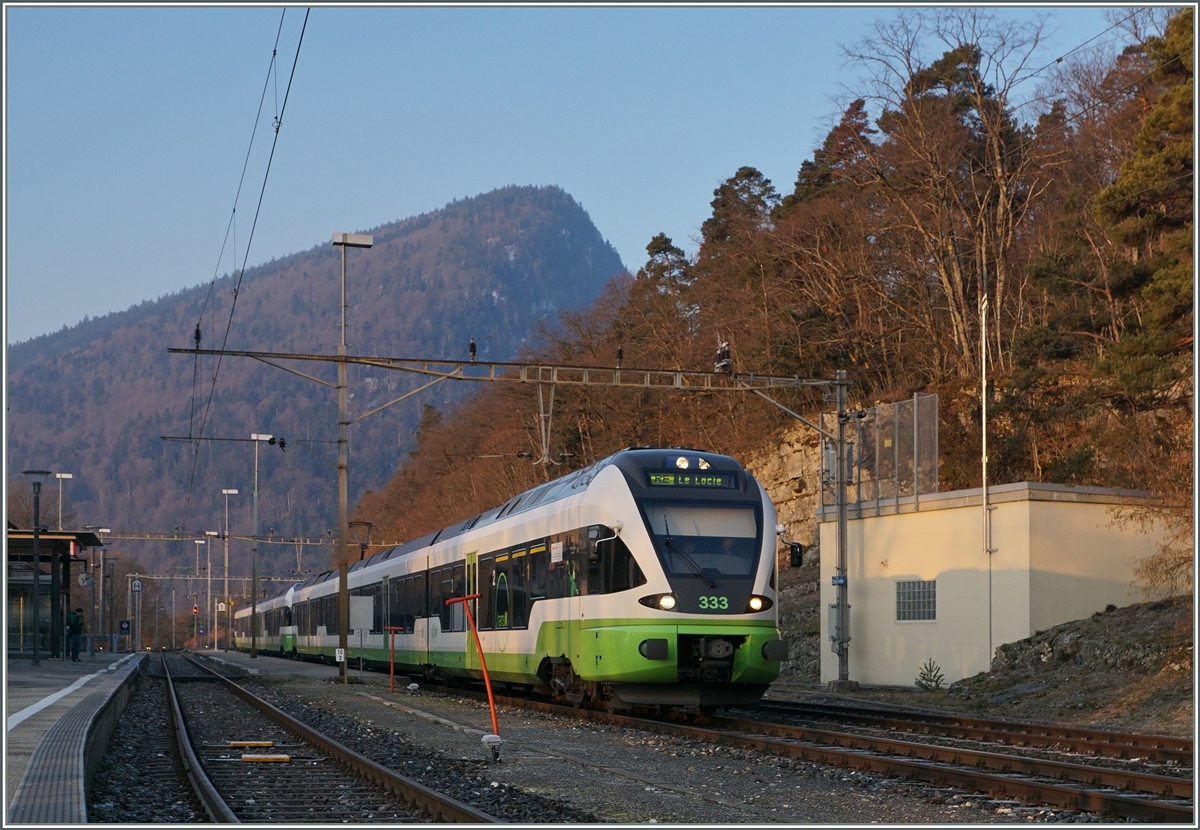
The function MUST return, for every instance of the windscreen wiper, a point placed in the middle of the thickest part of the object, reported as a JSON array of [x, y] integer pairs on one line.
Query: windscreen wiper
[[687, 560]]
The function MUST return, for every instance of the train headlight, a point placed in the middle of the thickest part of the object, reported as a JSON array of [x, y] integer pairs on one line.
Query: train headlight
[[663, 602], [681, 463], [758, 603]]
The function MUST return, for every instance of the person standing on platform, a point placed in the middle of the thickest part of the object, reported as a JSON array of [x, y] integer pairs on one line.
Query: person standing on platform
[[75, 626]]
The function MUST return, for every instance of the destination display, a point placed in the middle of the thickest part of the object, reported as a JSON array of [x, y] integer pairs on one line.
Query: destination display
[[707, 479]]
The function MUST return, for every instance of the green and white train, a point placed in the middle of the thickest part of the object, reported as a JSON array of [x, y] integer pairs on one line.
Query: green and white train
[[646, 578]]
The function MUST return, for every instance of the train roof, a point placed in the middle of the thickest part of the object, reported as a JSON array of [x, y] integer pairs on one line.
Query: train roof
[[631, 461], [285, 587]]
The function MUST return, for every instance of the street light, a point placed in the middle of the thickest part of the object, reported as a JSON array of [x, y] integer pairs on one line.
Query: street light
[[270, 439], [208, 611], [36, 477], [227, 493], [108, 574], [195, 618], [344, 240], [94, 629], [60, 477]]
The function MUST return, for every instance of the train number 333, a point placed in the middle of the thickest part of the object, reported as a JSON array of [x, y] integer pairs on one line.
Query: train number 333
[[714, 603]]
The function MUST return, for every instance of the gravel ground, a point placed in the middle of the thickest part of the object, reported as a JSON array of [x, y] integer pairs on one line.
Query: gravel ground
[[610, 774], [139, 779]]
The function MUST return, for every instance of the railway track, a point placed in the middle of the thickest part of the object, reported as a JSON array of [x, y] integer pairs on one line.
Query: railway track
[[1087, 787], [1096, 742], [250, 762]]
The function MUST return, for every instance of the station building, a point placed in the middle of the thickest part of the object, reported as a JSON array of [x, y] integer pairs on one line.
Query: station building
[[921, 586], [65, 566]]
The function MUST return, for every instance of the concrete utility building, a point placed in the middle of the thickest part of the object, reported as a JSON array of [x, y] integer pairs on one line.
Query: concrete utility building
[[921, 587]]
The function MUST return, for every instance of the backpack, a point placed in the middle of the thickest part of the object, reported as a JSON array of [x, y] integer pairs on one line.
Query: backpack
[[75, 623]]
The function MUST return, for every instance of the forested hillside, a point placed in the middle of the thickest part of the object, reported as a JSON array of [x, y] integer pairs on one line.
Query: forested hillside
[[963, 170], [95, 399]]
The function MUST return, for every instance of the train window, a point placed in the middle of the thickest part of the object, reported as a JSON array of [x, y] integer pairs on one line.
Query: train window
[[538, 562], [396, 602], [516, 574], [458, 619], [408, 604], [420, 606], [451, 583], [377, 620], [485, 612], [565, 576], [595, 556], [330, 615], [621, 571], [501, 598], [446, 591]]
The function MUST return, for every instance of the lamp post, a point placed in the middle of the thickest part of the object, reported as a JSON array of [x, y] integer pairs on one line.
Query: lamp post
[[106, 596], [60, 477], [227, 493], [344, 240], [270, 439], [196, 573], [208, 610], [93, 623], [36, 477]]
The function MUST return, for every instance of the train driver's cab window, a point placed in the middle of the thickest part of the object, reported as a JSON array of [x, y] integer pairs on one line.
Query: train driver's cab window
[[715, 540]]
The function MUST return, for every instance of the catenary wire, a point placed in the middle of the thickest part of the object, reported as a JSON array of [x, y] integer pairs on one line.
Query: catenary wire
[[231, 226], [241, 275]]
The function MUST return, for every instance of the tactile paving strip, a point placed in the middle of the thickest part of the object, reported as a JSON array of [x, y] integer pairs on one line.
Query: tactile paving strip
[[53, 789]]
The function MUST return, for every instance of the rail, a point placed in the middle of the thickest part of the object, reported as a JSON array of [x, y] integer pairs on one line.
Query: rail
[[441, 807], [218, 811]]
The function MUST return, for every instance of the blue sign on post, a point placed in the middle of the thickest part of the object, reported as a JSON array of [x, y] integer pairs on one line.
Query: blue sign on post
[[201, 631], [124, 628], [839, 579]]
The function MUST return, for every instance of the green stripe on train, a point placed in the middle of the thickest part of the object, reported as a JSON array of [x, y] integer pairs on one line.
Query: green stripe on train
[[604, 650]]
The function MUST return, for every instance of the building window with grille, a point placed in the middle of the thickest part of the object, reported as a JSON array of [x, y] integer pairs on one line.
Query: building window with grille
[[916, 600]]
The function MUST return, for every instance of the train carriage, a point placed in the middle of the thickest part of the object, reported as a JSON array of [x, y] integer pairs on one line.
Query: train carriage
[[645, 578]]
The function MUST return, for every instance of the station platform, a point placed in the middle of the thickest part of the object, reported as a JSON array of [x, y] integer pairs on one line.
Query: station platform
[[48, 709], [38, 697]]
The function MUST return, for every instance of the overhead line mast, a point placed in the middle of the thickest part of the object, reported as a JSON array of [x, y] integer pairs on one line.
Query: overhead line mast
[[554, 374]]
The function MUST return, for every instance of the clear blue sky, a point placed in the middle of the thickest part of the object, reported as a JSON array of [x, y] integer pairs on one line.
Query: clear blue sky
[[126, 128]]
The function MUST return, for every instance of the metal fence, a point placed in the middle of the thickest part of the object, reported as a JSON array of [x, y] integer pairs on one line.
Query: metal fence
[[891, 452]]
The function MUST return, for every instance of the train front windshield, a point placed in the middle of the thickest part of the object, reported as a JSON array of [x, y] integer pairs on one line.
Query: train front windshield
[[707, 541]]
